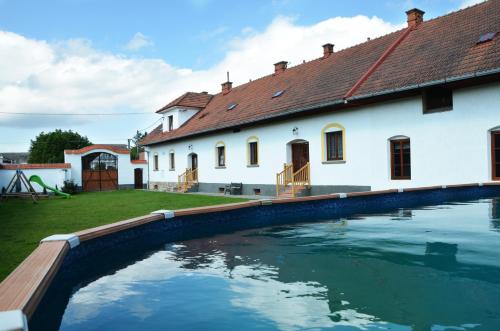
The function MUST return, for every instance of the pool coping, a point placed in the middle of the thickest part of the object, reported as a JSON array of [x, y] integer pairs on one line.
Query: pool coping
[[24, 288]]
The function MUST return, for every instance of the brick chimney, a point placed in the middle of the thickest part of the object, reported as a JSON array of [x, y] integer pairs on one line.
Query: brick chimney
[[280, 67], [226, 87], [327, 50], [414, 17]]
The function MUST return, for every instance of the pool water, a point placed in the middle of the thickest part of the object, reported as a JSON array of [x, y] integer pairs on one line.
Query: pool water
[[432, 268]]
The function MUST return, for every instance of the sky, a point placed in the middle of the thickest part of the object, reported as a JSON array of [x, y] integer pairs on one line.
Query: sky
[[101, 67]]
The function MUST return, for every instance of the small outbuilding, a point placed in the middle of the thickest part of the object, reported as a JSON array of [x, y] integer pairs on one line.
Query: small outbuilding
[[106, 167]]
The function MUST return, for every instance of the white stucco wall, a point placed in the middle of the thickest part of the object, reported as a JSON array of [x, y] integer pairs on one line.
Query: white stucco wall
[[446, 148], [50, 177], [125, 167], [179, 116]]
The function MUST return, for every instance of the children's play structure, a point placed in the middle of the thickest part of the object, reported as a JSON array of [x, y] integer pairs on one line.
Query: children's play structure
[[92, 168], [20, 186], [39, 181]]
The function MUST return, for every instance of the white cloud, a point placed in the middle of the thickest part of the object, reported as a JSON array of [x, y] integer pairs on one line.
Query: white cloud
[[73, 76], [138, 42]]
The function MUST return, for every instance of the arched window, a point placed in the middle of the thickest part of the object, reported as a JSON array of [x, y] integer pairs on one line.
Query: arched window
[[171, 160], [220, 155], [400, 150], [253, 151], [333, 143]]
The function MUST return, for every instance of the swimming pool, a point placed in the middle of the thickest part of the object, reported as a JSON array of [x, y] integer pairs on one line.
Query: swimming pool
[[428, 268]]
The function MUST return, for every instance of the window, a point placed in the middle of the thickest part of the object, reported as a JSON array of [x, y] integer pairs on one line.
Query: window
[[254, 158], [171, 164], [400, 159], [495, 154], [170, 122], [231, 106], [155, 162], [253, 151], [486, 37], [333, 143], [437, 99], [278, 93], [334, 146], [220, 154]]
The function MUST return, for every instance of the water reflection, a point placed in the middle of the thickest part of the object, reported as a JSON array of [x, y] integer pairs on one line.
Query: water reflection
[[422, 269], [495, 214]]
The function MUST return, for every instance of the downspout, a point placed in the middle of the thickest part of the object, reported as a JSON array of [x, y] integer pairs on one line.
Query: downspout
[[147, 152]]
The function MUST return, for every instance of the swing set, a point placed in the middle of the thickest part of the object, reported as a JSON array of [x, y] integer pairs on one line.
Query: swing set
[[15, 188]]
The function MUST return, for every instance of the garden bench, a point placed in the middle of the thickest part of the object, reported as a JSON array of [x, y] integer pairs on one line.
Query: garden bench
[[233, 188]]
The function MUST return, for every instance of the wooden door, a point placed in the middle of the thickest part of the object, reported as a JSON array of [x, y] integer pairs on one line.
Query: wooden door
[[138, 178], [300, 155], [194, 161], [495, 155]]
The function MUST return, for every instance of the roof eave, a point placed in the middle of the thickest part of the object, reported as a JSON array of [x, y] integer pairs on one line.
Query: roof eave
[[338, 102]]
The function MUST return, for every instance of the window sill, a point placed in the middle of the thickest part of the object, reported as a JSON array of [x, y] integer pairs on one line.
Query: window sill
[[437, 110], [156, 170], [400, 178], [252, 165], [334, 162], [171, 169], [220, 167]]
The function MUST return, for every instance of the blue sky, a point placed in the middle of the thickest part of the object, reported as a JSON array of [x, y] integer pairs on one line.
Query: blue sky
[[188, 33], [101, 56]]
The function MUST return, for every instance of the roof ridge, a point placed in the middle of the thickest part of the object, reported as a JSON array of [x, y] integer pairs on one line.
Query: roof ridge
[[314, 59], [379, 61]]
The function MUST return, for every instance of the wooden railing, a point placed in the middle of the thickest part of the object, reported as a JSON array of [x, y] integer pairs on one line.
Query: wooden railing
[[284, 178], [287, 179], [187, 179]]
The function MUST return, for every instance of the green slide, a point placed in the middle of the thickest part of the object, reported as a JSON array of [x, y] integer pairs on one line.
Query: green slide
[[39, 181]]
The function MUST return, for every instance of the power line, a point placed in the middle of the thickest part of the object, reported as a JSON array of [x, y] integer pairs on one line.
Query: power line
[[158, 120], [76, 114]]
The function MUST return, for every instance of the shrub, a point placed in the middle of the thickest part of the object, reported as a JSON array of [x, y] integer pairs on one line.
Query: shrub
[[70, 187]]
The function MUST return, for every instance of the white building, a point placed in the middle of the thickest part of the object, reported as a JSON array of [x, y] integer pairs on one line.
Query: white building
[[92, 168], [417, 107], [105, 167]]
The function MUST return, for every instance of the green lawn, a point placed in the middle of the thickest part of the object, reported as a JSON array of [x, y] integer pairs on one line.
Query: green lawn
[[23, 224]]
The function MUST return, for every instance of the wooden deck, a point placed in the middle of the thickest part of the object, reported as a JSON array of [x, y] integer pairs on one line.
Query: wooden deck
[[25, 286]]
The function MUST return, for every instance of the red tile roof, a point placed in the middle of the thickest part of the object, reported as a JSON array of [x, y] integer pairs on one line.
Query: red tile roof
[[35, 166], [437, 49], [189, 99], [139, 161], [118, 149], [441, 48]]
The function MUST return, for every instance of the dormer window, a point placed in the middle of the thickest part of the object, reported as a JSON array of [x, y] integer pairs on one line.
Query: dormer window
[[170, 122], [437, 99]]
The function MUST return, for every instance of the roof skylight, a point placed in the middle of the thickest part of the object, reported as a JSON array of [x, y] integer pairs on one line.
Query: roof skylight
[[278, 93], [486, 37], [231, 106]]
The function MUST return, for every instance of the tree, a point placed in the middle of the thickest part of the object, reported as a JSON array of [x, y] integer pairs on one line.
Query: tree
[[49, 147], [134, 152]]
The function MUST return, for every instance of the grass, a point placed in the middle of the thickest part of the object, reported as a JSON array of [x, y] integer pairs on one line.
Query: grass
[[23, 224]]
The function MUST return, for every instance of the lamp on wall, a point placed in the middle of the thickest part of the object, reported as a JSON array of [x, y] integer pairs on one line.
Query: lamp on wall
[[190, 147], [295, 131]]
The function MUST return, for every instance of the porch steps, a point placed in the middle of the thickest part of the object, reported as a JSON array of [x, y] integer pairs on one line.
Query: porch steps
[[300, 191], [191, 187]]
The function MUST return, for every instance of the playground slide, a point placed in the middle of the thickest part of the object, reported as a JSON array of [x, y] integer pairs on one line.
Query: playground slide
[[39, 181]]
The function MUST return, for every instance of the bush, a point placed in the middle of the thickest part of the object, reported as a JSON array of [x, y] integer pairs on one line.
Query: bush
[[70, 187]]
